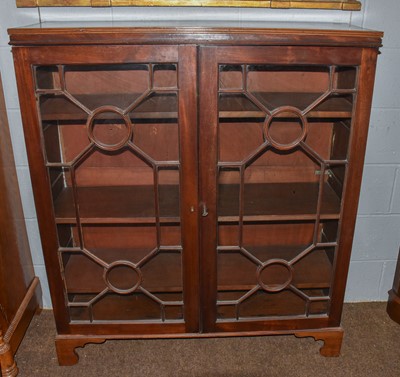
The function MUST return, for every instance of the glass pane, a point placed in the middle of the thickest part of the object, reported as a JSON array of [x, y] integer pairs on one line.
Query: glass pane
[[107, 85], [116, 185], [132, 307], [340, 140], [226, 311], [47, 77], [79, 313], [156, 106], [345, 77], [314, 270], [282, 240], [64, 141], [109, 130], [296, 86], [160, 141], [83, 273], [163, 273], [249, 138], [112, 148], [318, 306], [111, 243], [329, 231], [170, 234], [285, 131], [168, 192], [336, 178], [282, 184], [283, 136], [60, 108], [235, 271], [230, 76], [228, 194], [172, 311], [63, 196], [320, 138], [228, 234], [234, 106], [165, 76], [68, 236], [335, 105], [277, 304], [125, 260]]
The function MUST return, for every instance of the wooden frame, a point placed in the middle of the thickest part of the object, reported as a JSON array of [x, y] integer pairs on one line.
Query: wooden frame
[[341, 63], [285, 4]]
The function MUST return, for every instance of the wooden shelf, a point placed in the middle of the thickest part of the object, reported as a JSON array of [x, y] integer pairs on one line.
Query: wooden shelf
[[139, 307], [118, 204], [163, 106], [161, 274], [239, 106], [264, 306], [84, 276], [135, 204], [277, 201], [311, 272], [159, 106]]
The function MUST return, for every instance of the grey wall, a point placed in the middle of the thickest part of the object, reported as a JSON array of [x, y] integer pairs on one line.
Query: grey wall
[[377, 236]]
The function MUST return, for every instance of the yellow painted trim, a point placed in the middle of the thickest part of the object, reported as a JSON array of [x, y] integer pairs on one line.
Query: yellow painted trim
[[283, 4]]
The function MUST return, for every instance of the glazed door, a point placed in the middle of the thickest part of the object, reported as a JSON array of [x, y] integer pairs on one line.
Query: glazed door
[[275, 154], [118, 131]]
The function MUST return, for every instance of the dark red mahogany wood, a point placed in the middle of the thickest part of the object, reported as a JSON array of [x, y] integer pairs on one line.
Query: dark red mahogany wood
[[393, 306], [295, 212]]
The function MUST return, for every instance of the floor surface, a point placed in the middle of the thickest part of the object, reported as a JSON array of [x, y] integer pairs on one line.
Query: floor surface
[[371, 348]]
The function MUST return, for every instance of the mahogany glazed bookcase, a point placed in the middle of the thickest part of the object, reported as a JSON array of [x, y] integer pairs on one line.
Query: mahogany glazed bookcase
[[195, 179]]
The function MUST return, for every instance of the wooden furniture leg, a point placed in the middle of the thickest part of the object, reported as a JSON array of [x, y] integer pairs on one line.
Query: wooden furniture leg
[[65, 348], [393, 305], [7, 362], [8, 365], [332, 340]]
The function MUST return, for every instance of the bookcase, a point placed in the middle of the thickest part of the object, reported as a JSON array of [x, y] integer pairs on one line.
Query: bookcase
[[195, 180]]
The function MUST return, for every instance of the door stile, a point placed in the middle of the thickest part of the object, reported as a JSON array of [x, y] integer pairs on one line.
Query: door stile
[[354, 176], [40, 184], [187, 84], [208, 108]]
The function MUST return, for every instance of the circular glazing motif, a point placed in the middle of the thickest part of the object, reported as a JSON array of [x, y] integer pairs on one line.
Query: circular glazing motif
[[123, 277], [275, 275], [109, 128], [285, 128]]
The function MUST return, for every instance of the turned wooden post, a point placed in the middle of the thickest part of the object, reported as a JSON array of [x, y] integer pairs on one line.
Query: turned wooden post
[[7, 362]]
